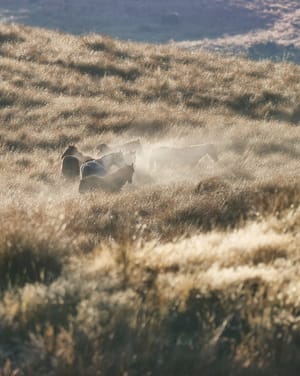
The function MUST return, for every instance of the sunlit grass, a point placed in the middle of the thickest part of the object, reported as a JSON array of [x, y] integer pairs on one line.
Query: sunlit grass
[[189, 270]]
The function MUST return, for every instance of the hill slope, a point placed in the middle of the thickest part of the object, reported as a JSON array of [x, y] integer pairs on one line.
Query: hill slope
[[188, 270], [258, 29]]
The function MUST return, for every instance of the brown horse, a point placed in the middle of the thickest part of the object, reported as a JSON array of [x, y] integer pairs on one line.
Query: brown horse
[[109, 183], [72, 159]]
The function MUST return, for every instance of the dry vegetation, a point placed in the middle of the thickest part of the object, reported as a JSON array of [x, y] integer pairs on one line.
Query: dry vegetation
[[185, 272]]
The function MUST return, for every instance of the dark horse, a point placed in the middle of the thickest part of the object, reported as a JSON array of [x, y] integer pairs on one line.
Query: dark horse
[[72, 159], [101, 166], [109, 183]]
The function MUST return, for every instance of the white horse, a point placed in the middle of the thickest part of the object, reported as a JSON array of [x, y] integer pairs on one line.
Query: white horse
[[166, 156]]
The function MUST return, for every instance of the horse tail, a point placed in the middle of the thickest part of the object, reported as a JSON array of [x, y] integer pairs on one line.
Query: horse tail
[[70, 167]]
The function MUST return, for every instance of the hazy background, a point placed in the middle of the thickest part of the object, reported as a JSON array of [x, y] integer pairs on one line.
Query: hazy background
[[256, 29]]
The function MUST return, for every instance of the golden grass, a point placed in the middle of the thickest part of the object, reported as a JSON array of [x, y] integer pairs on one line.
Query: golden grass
[[186, 271]]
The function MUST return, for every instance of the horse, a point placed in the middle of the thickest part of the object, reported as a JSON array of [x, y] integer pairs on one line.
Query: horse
[[130, 157], [103, 149], [70, 167], [131, 146], [189, 155], [75, 152], [72, 159], [101, 166], [109, 183], [112, 159], [118, 159], [92, 167]]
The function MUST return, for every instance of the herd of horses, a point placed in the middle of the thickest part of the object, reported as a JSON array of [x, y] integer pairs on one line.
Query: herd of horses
[[115, 165]]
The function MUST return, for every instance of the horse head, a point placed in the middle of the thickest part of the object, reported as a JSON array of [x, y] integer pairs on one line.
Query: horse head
[[71, 150], [103, 149]]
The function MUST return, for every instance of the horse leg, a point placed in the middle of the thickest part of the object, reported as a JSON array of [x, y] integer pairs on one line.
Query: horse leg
[[212, 152]]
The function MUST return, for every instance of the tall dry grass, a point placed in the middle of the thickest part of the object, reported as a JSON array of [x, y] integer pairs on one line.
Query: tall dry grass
[[187, 270]]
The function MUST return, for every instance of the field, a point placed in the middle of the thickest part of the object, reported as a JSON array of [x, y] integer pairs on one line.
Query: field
[[187, 271]]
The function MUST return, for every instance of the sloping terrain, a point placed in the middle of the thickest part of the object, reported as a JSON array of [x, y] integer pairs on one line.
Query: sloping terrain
[[190, 269], [257, 29]]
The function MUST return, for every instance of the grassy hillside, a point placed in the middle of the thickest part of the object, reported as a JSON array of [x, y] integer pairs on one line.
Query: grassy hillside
[[186, 271]]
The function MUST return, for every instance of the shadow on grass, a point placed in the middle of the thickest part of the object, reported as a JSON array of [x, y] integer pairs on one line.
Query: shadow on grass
[[110, 70], [10, 37], [223, 207], [23, 261]]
